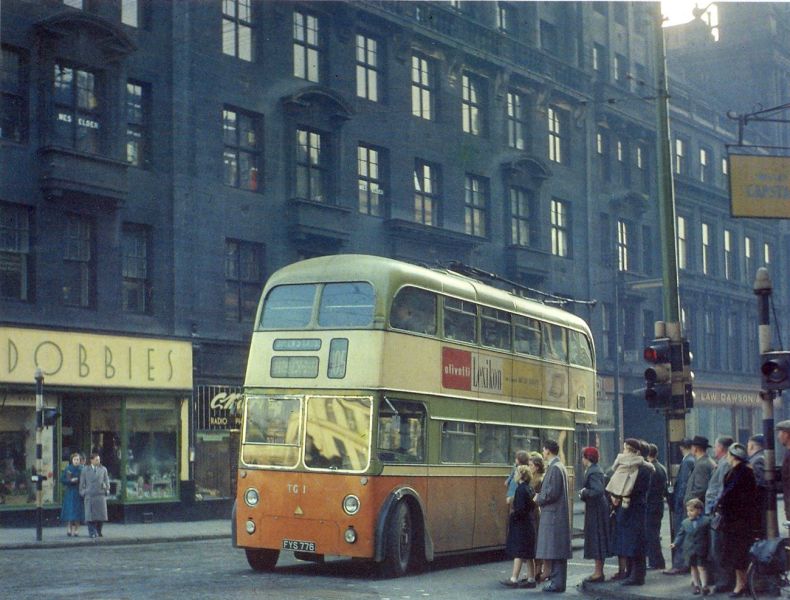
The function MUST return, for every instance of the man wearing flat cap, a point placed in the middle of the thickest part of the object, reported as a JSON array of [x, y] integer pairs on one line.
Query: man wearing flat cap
[[723, 578], [783, 427]]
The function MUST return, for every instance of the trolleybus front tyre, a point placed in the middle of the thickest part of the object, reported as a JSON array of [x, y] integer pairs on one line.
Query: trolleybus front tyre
[[399, 544], [261, 559]]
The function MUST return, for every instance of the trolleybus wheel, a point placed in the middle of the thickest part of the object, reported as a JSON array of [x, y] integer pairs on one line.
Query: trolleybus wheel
[[399, 545], [261, 559]]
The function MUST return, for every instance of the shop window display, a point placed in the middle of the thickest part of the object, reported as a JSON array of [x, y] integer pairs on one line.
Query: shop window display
[[18, 453], [152, 458], [105, 427]]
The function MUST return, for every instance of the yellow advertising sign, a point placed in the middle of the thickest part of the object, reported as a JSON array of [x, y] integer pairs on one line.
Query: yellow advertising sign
[[760, 186], [94, 360]]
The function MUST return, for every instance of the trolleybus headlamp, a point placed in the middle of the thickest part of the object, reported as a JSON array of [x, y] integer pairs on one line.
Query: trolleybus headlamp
[[251, 497], [250, 526], [351, 504], [350, 535]]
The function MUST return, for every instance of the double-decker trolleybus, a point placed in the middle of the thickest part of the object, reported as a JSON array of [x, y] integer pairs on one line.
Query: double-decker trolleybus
[[383, 404]]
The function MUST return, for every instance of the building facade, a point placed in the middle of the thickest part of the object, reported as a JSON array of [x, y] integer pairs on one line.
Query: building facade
[[160, 159]]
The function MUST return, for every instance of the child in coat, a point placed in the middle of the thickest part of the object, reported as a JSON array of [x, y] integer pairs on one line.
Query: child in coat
[[693, 539]]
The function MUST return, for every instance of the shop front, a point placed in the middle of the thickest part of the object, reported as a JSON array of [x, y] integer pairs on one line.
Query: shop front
[[217, 421], [725, 410], [126, 398]]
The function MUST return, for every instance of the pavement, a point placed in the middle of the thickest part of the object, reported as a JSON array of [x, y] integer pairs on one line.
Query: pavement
[[658, 586], [17, 538]]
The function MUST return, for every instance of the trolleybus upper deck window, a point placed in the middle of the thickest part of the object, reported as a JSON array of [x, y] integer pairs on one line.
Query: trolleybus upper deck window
[[288, 307], [347, 304], [414, 310]]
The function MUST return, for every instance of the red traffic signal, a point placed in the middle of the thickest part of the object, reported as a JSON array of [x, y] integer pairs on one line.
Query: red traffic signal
[[658, 351]]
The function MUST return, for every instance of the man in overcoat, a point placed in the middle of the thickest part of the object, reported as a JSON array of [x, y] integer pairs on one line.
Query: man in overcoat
[[554, 533], [94, 487], [703, 469], [755, 447], [783, 431], [654, 511], [679, 505], [723, 578]]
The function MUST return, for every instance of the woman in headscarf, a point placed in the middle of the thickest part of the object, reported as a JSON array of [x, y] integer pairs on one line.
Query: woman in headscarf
[[738, 523], [597, 545]]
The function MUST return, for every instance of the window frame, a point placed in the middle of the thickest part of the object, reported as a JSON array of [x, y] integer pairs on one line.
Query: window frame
[[240, 282], [473, 103], [557, 138], [236, 148], [138, 129], [560, 220], [522, 225], [623, 245], [429, 195], [422, 86], [372, 182], [306, 41], [365, 69], [476, 201], [515, 117], [315, 166], [85, 240], [13, 96], [233, 23], [132, 281], [16, 239], [73, 115]]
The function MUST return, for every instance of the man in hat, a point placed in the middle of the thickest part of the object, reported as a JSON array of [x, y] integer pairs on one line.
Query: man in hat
[[554, 534], [755, 447], [783, 427], [678, 503], [724, 578], [654, 512], [703, 469]]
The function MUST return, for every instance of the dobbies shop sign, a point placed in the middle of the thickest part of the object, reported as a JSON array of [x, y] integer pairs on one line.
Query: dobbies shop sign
[[218, 407], [86, 359]]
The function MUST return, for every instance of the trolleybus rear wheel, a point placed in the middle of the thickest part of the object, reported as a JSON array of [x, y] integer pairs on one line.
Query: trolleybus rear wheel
[[399, 545], [261, 559]]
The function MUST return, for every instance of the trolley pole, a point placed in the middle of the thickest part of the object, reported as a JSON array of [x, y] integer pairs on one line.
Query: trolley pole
[[763, 289], [676, 414], [37, 477]]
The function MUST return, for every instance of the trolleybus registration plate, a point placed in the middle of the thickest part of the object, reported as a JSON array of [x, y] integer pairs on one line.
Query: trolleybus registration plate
[[298, 546]]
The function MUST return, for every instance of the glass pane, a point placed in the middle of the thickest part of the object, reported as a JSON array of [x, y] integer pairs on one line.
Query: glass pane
[[555, 345], [338, 357], [228, 37], [271, 431], [494, 444], [458, 443], [401, 431], [338, 433], [526, 336], [495, 332], [346, 305], [288, 307], [459, 320], [580, 350], [152, 468], [245, 42], [414, 310]]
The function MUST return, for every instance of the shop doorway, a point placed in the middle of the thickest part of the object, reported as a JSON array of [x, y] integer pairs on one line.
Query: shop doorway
[[75, 428]]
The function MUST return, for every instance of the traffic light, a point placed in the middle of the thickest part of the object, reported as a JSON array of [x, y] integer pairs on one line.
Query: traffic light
[[688, 376], [775, 369], [47, 417], [658, 378]]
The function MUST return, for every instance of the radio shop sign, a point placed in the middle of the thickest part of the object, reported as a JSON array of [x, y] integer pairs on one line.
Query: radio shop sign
[[218, 407]]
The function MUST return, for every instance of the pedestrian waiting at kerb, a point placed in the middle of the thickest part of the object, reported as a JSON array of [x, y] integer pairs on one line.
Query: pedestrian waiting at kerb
[[716, 508]]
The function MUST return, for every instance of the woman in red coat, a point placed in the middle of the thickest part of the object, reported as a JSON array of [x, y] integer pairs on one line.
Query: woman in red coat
[[738, 516]]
